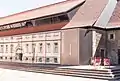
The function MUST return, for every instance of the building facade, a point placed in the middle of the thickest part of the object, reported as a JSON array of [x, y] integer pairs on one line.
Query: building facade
[[73, 33]]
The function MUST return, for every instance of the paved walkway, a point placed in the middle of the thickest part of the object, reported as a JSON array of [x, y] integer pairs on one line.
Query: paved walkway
[[13, 75]]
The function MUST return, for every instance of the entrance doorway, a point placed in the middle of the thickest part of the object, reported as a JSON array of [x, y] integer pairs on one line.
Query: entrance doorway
[[118, 56], [20, 56], [102, 54]]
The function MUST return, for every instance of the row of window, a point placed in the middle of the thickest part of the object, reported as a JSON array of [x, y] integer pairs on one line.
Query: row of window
[[40, 59], [37, 22], [2, 48], [30, 37], [48, 48], [48, 60]]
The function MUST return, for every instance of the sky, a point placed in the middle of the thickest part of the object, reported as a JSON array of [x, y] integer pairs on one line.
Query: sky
[[8, 7]]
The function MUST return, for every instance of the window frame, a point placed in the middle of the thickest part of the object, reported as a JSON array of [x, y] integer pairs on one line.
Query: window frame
[[109, 36], [1, 48], [27, 48], [56, 47], [40, 47], [6, 48], [48, 48], [11, 48]]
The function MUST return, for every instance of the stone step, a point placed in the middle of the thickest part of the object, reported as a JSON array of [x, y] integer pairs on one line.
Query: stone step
[[75, 75], [86, 71]]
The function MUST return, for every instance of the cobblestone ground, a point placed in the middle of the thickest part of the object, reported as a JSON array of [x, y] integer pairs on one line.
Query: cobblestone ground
[[14, 75]]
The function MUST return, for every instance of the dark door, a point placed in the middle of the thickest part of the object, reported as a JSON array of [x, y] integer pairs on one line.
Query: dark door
[[102, 53], [118, 56], [20, 56]]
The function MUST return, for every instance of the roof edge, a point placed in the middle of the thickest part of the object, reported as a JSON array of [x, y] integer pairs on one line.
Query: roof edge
[[106, 14], [37, 8]]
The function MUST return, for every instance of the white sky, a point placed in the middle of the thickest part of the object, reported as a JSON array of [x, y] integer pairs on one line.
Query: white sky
[[8, 7]]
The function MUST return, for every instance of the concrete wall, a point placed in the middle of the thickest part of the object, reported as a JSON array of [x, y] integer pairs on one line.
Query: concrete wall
[[85, 46], [113, 45], [99, 42], [76, 46], [70, 47], [91, 42], [20, 41]]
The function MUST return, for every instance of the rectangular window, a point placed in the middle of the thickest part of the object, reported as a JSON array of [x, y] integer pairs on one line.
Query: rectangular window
[[6, 48], [2, 49], [48, 48], [63, 18], [40, 59], [41, 47], [102, 53], [11, 48], [27, 48], [55, 20], [43, 21], [33, 48], [15, 25], [55, 47]]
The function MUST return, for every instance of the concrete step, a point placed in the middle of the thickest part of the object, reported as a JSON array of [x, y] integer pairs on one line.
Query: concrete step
[[76, 75], [86, 71]]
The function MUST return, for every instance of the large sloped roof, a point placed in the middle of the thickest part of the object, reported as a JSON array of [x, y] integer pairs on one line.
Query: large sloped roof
[[115, 18], [42, 11], [93, 13]]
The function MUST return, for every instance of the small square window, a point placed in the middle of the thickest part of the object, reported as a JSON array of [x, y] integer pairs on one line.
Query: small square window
[[26, 58], [40, 59], [10, 58], [111, 36], [33, 59], [16, 58], [47, 59], [5, 57], [55, 60], [1, 57]]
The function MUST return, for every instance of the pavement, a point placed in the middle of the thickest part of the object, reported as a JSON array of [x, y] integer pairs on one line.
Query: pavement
[[14, 75]]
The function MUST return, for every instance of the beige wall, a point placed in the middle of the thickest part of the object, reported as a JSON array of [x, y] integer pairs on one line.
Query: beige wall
[[20, 41]]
